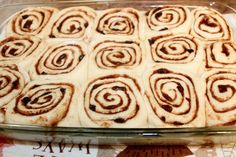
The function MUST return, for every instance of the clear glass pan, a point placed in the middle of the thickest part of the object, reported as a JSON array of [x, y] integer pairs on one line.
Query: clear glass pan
[[192, 136]]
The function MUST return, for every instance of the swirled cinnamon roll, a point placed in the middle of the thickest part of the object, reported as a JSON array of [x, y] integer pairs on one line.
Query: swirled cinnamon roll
[[31, 21], [221, 54], [220, 97], [209, 25], [73, 22], [41, 102], [118, 22], [12, 82], [113, 100], [17, 49], [60, 59], [116, 54], [176, 49], [173, 98], [162, 20]]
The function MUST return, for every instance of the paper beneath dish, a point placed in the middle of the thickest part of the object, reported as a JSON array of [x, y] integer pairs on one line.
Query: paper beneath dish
[[40, 149]]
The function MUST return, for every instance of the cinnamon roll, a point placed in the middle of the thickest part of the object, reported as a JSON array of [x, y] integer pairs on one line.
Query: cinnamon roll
[[16, 49], [118, 21], [173, 19], [73, 22], [111, 101], [209, 25], [12, 82], [220, 97], [116, 54], [41, 102], [221, 54], [60, 59], [173, 98], [31, 21], [175, 49]]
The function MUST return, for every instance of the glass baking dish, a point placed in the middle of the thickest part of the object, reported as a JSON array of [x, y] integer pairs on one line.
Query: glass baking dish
[[191, 136]]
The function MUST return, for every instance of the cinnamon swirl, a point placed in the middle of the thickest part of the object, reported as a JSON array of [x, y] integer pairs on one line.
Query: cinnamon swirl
[[41, 102], [220, 97], [60, 59], [209, 25], [117, 54], [173, 98], [113, 100], [162, 20], [16, 49], [221, 54], [12, 82], [31, 21], [118, 22], [73, 22]]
